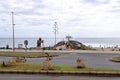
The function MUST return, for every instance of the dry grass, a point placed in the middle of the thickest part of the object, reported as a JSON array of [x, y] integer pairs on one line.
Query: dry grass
[[26, 54]]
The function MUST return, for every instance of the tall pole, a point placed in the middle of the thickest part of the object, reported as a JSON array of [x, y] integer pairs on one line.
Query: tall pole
[[13, 31], [55, 30]]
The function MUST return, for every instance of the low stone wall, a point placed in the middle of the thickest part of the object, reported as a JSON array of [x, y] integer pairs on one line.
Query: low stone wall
[[87, 73]]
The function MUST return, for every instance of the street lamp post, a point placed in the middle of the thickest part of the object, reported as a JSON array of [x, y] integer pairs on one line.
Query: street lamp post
[[13, 31]]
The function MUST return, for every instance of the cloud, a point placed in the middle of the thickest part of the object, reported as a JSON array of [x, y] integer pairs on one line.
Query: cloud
[[97, 2], [87, 18]]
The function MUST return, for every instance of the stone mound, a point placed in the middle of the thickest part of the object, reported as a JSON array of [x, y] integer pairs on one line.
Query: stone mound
[[71, 44]]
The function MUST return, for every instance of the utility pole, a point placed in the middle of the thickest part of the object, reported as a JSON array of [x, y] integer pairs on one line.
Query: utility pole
[[13, 31], [55, 30]]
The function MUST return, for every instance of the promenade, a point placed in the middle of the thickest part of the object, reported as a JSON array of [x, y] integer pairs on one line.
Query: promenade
[[60, 51]]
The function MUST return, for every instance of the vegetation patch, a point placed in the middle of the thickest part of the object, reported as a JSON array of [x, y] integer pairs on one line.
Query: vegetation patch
[[57, 67], [73, 68], [115, 59], [22, 66], [26, 54]]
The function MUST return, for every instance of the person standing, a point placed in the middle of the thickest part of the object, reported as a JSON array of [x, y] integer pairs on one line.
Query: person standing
[[39, 41]]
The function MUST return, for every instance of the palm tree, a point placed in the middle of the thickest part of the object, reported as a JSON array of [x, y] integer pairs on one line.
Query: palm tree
[[68, 41], [68, 38]]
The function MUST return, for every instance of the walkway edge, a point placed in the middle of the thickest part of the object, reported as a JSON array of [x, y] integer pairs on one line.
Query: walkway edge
[[91, 73], [64, 51]]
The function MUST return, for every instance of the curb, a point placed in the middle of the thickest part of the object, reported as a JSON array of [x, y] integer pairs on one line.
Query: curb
[[114, 60], [89, 73]]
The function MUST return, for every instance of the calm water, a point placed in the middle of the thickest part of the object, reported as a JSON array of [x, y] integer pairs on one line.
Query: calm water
[[50, 77], [95, 42]]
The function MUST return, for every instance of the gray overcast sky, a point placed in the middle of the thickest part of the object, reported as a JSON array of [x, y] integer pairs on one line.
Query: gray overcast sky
[[78, 18]]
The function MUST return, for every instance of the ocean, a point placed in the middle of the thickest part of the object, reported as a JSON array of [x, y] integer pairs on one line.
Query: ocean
[[32, 42]]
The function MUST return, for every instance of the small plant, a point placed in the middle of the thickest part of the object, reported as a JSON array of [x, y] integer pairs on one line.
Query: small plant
[[80, 63], [13, 61], [113, 49]]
